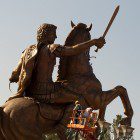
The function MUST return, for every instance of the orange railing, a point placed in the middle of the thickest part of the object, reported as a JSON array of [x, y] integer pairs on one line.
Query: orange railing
[[82, 120]]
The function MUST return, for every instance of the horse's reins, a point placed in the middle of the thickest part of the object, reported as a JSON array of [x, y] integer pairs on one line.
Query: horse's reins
[[10, 87]]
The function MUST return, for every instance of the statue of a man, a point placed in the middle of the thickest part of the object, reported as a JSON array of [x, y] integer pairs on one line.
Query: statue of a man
[[34, 71]]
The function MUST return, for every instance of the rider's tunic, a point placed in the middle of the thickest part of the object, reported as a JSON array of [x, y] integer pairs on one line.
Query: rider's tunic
[[34, 71], [34, 75], [42, 86]]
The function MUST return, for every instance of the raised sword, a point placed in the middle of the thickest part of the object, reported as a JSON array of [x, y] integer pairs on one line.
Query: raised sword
[[110, 23]]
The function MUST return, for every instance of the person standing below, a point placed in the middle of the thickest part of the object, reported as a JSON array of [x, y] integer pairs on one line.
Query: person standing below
[[77, 112], [86, 116]]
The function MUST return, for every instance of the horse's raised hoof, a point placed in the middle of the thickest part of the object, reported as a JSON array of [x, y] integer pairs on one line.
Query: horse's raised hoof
[[126, 121]]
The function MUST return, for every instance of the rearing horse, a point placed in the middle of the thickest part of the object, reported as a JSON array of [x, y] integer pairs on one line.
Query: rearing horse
[[25, 119], [79, 77]]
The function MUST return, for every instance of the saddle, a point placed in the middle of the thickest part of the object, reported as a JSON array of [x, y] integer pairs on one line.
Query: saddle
[[52, 111]]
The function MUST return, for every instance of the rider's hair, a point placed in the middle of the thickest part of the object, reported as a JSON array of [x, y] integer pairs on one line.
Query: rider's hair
[[43, 30]]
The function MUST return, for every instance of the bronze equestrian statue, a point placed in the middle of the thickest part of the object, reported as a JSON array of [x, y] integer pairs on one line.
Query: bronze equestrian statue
[[34, 71], [32, 116]]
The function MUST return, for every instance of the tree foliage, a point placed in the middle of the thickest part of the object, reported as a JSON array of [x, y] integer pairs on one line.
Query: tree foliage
[[114, 132]]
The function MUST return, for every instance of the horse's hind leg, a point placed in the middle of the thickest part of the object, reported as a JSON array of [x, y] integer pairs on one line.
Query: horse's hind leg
[[109, 96], [61, 134], [61, 127], [102, 113]]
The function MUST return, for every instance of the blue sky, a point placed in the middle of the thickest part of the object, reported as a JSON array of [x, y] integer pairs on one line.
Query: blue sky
[[116, 64]]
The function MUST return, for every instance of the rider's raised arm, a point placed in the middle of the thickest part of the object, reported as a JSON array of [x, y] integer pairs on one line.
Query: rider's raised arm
[[59, 50]]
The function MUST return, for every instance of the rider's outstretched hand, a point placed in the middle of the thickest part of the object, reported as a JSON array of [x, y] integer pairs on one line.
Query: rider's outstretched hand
[[99, 43]]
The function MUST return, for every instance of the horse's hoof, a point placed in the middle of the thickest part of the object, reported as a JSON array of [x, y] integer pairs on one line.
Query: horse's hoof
[[126, 121]]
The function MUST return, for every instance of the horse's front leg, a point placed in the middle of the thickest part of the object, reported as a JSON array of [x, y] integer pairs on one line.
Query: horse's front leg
[[128, 111], [109, 96]]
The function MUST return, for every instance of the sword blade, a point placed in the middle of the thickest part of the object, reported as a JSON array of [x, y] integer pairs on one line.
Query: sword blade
[[111, 21]]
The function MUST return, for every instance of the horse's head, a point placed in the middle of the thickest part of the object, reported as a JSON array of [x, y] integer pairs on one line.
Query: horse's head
[[78, 64], [79, 33]]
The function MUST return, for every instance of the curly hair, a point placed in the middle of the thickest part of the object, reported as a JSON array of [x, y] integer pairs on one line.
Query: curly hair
[[43, 30]]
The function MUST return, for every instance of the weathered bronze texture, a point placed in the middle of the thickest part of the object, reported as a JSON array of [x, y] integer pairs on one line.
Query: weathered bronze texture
[[28, 118]]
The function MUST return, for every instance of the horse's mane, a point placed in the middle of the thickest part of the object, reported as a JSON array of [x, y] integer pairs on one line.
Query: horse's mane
[[79, 30]]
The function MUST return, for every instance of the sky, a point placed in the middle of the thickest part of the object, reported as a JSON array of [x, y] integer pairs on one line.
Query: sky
[[115, 64]]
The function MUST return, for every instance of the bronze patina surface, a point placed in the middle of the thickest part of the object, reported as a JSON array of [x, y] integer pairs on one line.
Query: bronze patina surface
[[42, 106]]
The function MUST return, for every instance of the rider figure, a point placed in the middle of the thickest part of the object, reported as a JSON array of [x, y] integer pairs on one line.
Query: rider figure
[[34, 71]]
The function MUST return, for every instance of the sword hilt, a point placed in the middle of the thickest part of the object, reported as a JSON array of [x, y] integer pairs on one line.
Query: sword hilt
[[99, 47], [96, 50]]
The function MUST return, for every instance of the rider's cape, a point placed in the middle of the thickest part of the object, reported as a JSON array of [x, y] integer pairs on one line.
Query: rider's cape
[[24, 70]]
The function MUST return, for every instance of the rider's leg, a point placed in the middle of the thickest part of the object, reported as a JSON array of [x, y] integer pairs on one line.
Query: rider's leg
[[61, 127]]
